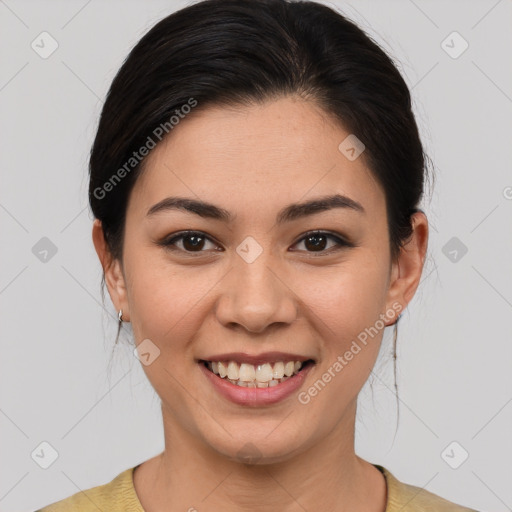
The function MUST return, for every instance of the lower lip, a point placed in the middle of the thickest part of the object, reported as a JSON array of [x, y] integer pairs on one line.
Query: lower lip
[[256, 397]]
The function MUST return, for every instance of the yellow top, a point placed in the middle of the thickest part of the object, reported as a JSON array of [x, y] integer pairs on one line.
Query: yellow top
[[119, 496]]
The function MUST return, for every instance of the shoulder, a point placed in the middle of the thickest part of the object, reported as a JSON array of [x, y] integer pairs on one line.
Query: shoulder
[[116, 496], [410, 498]]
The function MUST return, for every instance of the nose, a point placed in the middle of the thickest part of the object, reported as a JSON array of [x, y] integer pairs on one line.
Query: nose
[[256, 295]]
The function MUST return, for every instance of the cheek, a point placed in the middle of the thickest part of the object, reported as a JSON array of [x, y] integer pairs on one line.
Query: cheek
[[163, 308], [165, 305], [346, 306], [346, 312], [168, 301], [348, 297]]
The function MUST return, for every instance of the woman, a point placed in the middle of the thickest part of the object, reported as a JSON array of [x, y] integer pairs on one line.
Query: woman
[[255, 179]]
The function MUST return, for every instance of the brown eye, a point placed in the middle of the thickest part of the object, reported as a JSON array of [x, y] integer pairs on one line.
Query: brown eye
[[315, 242], [318, 240], [191, 241]]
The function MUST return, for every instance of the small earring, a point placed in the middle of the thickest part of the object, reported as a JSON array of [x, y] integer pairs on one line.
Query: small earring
[[120, 315]]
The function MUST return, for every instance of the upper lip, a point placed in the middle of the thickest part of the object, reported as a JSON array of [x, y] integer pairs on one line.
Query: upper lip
[[265, 357]]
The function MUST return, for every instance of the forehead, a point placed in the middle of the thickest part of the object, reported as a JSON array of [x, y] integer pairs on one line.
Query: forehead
[[245, 157]]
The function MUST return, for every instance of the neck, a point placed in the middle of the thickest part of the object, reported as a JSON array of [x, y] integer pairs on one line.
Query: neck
[[328, 475]]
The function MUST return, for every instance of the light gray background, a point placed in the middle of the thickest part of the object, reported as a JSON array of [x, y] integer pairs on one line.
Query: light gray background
[[454, 343]]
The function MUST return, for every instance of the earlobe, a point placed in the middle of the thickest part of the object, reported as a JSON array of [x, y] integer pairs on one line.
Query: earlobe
[[112, 270], [406, 274]]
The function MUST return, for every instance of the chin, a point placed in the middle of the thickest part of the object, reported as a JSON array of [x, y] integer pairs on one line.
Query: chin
[[253, 449]]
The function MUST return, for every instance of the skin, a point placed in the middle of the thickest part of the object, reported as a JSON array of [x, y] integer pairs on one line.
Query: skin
[[253, 161]]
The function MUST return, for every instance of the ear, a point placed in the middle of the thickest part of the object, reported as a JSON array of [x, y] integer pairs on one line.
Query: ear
[[406, 271], [112, 269]]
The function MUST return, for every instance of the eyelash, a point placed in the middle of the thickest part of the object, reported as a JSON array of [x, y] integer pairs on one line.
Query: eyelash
[[169, 243]]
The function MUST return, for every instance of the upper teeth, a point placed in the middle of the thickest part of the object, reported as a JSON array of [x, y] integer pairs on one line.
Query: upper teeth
[[254, 373]]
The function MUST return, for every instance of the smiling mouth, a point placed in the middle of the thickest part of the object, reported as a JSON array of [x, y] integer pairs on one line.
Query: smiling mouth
[[256, 376]]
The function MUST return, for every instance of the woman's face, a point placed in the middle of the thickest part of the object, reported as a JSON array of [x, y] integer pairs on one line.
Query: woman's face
[[253, 283]]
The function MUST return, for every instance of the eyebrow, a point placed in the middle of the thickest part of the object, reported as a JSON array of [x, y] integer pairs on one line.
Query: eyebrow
[[287, 214]]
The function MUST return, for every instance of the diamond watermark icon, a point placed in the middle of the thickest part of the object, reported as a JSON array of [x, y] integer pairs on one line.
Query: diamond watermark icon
[[146, 352], [454, 455], [44, 455], [454, 249], [44, 250], [351, 147], [249, 454], [44, 45], [454, 45], [249, 249]]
